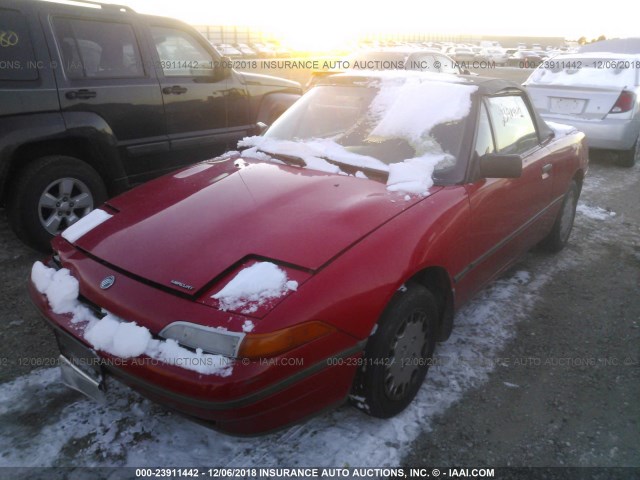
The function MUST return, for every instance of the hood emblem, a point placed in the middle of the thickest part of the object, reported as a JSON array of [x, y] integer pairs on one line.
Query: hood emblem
[[181, 284], [107, 282]]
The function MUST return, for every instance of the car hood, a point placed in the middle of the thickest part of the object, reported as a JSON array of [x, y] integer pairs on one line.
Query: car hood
[[193, 226]]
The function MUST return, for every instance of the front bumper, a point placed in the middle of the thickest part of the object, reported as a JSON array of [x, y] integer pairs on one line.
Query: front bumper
[[258, 396]]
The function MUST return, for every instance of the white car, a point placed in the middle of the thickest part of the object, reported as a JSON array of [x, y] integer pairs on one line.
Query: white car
[[497, 55], [598, 93]]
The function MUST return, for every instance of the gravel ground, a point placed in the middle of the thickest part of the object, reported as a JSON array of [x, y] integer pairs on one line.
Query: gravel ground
[[565, 390]]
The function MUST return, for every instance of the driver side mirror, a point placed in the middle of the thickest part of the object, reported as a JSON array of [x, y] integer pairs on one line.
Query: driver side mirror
[[495, 165], [221, 70]]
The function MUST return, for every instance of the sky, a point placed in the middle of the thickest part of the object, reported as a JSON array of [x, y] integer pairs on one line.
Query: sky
[[332, 20]]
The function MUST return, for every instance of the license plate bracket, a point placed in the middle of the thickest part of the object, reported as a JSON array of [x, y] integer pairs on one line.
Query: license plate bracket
[[80, 368]]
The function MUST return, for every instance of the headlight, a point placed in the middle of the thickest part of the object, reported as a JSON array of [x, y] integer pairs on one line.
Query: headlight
[[210, 340], [245, 345]]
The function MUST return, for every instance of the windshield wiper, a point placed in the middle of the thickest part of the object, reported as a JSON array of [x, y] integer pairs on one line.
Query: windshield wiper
[[290, 159], [346, 167], [352, 169]]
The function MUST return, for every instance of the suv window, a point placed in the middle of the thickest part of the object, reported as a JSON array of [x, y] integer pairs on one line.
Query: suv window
[[96, 49], [17, 60], [181, 54], [515, 132]]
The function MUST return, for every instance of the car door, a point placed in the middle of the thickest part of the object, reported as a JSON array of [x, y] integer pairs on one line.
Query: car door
[[507, 214], [103, 73], [198, 91]]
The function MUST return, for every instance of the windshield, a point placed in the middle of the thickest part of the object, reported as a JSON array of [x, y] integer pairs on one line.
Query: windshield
[[378, 124]]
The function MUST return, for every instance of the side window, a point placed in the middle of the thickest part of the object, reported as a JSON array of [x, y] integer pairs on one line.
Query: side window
[[181, 54], [515, 132], [95, 49], [484, 138], [17, 60]]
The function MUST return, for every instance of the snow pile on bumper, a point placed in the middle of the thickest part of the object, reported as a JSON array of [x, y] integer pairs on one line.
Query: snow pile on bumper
[[114, 335]]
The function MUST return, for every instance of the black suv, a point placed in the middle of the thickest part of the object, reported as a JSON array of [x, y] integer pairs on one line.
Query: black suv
[[96, 98]]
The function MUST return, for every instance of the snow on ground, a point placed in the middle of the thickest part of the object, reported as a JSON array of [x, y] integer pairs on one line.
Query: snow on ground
[[593, 212], [46, 424]]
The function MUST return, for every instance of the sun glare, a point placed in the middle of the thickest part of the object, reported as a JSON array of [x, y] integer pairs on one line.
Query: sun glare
[[325, 25]]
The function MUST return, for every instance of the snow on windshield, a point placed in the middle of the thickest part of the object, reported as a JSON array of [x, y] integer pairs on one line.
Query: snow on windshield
[[114, 335], [587, 71], [405, 107], [411, 109]]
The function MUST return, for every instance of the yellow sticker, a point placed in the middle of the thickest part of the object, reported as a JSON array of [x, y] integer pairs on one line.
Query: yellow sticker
[[8, 38]]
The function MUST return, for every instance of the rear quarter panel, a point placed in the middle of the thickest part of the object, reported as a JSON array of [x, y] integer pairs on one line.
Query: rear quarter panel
[[569, 156]]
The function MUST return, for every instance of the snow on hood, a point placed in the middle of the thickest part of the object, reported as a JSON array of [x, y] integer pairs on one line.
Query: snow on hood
[[253, 286], [85, 225], [114, 335], [406, 107]]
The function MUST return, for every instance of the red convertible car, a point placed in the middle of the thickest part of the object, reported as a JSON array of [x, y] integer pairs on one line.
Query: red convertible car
[[323, 261]]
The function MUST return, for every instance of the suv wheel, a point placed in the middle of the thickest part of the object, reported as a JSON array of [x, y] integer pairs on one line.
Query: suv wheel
[[50, 194]]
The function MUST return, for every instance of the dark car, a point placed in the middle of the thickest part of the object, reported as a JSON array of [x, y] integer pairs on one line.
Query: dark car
[[95, 100], [524, 59], [321, 263]]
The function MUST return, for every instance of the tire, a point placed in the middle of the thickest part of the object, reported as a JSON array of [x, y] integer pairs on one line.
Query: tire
[[50, 194], [628, 158], [561, 230], [398, 354]]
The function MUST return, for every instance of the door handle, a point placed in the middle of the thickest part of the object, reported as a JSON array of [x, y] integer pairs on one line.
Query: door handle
[[175, 90], [81, 94], [546, 170]]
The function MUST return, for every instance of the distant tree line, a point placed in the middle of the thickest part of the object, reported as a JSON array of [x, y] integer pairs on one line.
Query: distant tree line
[[584, 41]]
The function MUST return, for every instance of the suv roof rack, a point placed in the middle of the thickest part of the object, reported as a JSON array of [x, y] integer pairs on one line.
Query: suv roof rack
[[105, 6]]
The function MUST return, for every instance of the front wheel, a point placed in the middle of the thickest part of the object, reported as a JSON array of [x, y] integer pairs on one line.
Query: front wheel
[[51, 194], [398, 354], [559, 235]]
